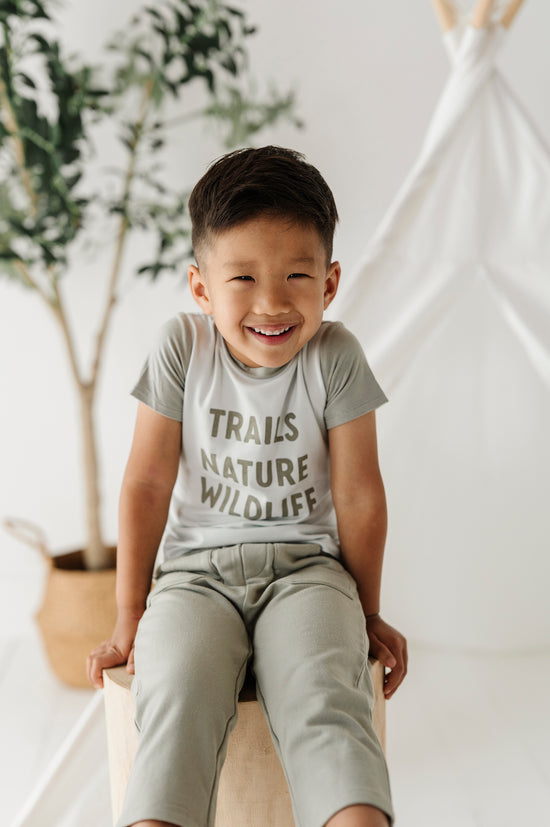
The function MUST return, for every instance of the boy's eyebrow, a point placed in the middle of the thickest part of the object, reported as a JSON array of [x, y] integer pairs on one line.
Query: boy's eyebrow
[[245, 264]]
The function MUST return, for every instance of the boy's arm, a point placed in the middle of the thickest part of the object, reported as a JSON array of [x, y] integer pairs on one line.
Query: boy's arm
[[360, 504], [144, 501]]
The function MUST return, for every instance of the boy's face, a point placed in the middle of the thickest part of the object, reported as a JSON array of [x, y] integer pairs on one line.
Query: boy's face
[[267, 284]]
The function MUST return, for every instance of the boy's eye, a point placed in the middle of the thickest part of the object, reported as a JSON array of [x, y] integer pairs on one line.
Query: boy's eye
[[243, 278], [298, 276]]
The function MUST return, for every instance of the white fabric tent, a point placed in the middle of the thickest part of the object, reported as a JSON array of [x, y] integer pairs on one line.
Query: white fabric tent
[[451, 301]]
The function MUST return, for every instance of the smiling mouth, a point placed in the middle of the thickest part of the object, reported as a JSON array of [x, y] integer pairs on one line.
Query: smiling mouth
[[274, 334], [265, 332]]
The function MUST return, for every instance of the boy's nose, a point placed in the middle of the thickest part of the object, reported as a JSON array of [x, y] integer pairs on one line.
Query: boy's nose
[[272, 299]]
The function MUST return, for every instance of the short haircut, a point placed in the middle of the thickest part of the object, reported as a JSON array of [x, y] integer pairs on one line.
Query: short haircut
[[249, 183]]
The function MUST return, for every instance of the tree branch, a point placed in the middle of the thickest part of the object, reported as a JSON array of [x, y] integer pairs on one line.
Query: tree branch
[[446, 14], [18, 149], [55, 304], [58, 310], [481, 15], [510, 12], [121, 235], [30, 282]]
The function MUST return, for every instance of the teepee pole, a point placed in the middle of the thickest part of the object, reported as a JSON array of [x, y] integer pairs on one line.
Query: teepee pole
[[510, 12], [446, 14], [481, 15]]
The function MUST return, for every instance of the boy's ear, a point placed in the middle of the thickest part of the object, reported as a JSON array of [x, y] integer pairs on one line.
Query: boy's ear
[[199, 290], [331, 282]]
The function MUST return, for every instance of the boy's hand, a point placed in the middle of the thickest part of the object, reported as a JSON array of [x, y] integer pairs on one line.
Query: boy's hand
[[116, 651], [390, 648]]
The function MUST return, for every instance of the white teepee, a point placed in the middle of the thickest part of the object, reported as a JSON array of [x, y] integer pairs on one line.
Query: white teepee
[[451, 301]]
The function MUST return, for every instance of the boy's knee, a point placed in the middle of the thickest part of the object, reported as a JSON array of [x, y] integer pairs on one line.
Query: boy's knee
[[360, 815], [150, 823]]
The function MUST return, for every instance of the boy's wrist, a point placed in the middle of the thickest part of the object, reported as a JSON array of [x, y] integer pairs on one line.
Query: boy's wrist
[[131, 612]]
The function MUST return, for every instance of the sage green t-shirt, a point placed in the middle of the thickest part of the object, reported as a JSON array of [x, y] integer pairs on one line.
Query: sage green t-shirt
[[254, 464]]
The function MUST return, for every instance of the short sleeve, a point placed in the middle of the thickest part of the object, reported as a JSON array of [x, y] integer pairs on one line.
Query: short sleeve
[[161, 384], [352, 389]]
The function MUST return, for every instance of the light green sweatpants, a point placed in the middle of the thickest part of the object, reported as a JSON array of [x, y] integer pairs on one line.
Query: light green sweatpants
[[292, 611]]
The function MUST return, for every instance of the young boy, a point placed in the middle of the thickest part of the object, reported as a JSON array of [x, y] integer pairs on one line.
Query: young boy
[[255, 454]]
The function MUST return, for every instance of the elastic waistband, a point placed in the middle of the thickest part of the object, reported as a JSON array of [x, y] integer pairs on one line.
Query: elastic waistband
[[242, 562]]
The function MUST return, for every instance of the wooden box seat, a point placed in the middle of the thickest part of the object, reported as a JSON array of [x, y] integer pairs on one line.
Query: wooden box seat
[[253, 789]]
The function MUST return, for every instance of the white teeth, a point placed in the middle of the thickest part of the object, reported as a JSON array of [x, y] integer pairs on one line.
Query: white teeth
[[270, 332]]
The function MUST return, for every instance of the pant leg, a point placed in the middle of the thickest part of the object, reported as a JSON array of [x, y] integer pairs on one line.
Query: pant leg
[[191, 653], [310, 650]]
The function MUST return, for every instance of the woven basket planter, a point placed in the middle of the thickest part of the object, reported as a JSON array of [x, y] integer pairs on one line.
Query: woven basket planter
[[78, 611], [78, 608]]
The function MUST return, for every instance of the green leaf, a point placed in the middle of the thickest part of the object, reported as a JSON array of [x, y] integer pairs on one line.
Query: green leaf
[[172, 86], [28, 81], [235, 12], [9, 270], [167, 57], [210, 80], [154, 13], [223, 26], [163, 33], [142, 53], [230, 64], [8, 254], [183, 23], [153, 270], [40, 10], [203, 44], [97, 93], [41, 41]]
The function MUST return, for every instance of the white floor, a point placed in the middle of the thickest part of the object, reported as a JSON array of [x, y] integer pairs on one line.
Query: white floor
[[469, 740], [468, 737]]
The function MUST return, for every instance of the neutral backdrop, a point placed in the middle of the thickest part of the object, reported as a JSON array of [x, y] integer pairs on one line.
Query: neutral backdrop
[[367, 75]]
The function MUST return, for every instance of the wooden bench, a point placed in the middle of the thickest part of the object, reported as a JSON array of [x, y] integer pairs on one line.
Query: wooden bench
[[253, 790]]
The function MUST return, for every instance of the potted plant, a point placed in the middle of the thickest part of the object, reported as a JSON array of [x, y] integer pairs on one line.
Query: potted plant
[[54, 195]]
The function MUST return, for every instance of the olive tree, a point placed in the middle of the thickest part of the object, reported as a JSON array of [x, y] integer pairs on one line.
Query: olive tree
[[53, 192]]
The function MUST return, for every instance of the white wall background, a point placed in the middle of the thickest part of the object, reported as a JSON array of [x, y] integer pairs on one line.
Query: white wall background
[[368, 75]]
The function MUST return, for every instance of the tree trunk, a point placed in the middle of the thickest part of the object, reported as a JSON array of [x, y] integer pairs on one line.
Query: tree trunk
[[96, 555]]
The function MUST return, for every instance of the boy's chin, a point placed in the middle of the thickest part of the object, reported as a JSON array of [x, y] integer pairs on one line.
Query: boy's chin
[[258, 360]]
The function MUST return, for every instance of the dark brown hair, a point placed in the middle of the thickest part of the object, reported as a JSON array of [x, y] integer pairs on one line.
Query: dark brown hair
[[271, 180]]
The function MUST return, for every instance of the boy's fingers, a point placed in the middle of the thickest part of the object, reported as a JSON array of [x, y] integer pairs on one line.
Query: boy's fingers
[[94, 672], [392, 681], [381, 652], [395, 678], [105, 656], [395, 659]]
